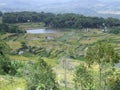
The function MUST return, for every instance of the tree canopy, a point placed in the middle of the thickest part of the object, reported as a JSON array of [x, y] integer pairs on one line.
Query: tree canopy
[[67, 20], [39, 76], [102, 53], [6, 28]]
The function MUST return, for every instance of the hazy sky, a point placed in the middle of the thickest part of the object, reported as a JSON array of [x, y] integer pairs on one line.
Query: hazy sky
[[51, 1], [54, 0]]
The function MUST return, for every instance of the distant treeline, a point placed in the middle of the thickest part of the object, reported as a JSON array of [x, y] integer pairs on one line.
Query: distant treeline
[[68, 20], [6, 28], [1, 13]]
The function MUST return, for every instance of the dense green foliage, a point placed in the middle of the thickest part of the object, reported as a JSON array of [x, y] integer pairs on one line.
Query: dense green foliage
[[68, 20], [4, 59], [102, 53], [22, 17], [6, 65], [114, 30], [5, 28]]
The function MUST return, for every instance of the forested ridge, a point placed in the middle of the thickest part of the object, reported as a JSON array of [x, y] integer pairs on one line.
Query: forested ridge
[[67, 20]]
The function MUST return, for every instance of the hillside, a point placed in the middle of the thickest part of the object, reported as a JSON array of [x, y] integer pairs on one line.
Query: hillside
[[52, 50], [59, 44]]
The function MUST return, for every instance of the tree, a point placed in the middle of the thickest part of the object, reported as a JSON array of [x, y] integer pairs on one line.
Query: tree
[[102, 53], [6, 65], [4, 58], [112, 22], [39, 75], [83, 78], [6, 28]]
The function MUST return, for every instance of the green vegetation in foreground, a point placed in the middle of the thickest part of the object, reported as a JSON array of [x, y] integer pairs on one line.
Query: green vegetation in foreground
[[103, 54], [37, 74]]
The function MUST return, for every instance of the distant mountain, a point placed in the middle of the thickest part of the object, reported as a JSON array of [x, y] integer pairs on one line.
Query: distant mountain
[[104, 8]]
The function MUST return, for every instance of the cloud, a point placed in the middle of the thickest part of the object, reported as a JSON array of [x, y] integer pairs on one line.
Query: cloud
[[109, 12], [3, 4]]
